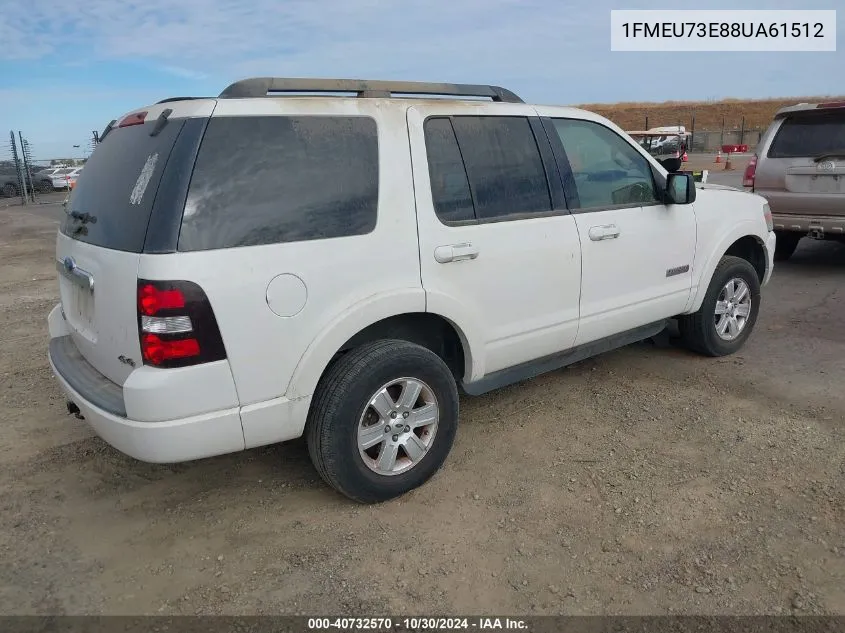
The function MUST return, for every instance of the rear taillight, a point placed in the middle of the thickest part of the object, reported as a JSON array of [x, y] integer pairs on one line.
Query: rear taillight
[[176, 325], [750, 171]]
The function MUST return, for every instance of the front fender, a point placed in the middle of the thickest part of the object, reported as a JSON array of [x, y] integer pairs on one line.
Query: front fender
[[710, 259]]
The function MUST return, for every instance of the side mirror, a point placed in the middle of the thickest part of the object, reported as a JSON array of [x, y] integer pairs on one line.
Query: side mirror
[[680, 189]]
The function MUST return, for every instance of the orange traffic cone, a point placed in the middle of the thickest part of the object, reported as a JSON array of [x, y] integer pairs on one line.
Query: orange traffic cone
[[684, 157], [728, 162], [718, 157]]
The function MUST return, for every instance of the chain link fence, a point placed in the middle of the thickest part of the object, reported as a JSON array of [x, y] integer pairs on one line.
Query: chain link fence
[[712, 141], [23, 179]]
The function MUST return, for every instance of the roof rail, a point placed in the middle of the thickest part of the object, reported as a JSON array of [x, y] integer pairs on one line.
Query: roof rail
[[266, 86], [170, 99]]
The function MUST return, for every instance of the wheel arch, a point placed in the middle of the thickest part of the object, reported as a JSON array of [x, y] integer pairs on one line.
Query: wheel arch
[[742, 242], [397, 315]]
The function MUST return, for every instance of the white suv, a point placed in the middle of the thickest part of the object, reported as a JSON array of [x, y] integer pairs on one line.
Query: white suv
[[240, 271]]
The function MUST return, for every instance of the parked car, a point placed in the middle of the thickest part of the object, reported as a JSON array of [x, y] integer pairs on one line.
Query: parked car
[[9, 184], [799, 167], [244, 270], [65, 178], [43, 179]]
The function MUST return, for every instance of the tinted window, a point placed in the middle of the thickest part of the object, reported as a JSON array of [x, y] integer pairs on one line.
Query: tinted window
[[503, 164], [449, 186], [606, 169], [118, 186], [263, 180], [809, 135]]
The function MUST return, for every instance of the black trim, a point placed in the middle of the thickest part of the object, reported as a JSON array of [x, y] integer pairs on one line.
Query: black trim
[[562, 161], [84, 379], [534, 368], [169, 203], [550, 166]]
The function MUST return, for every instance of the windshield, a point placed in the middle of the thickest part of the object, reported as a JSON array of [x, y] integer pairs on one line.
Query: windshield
[[809, 135], [62, 172], [118, 186]]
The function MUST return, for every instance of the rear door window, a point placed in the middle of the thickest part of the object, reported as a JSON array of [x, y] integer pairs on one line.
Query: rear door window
[[809, 135], [118, 185], [274, 179]]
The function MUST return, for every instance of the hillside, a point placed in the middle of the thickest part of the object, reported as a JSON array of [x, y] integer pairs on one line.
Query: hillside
[[709, 115]]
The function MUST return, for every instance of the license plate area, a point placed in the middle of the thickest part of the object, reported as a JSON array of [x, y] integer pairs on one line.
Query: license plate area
[[78, 304], [827, 184], [817, 183]]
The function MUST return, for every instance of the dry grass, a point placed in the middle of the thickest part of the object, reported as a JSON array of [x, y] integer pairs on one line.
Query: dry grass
[[709, 115]]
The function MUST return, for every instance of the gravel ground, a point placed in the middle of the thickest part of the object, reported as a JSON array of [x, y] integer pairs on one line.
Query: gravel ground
[[645, 481]]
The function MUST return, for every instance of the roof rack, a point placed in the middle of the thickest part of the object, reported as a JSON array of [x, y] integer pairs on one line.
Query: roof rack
[[267, 86], [170, 99]]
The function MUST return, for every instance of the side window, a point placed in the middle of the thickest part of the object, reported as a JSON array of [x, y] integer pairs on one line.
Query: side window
[[485, 167], [503, 164], [606, 169], [449, 185], [272, 179]]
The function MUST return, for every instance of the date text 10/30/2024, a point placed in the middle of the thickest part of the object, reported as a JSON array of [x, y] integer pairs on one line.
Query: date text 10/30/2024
[[416, 624]]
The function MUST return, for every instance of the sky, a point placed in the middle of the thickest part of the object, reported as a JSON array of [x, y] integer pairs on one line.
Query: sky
[[69, 69]]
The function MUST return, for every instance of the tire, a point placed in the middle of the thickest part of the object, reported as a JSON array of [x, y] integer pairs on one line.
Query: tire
[[45, 186], [699, 330], [9, 190], [342, 404], [786, 244]]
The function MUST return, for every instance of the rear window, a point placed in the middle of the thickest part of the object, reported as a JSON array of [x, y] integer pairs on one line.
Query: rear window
[[809, 135], [118, 185], [274, 179]]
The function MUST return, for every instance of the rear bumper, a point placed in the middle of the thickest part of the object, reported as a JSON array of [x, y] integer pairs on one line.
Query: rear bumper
[[830, 225], [101, 403]]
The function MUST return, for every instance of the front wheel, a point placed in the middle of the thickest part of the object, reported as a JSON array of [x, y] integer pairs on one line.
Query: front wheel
[[383, 420], [728, 313]]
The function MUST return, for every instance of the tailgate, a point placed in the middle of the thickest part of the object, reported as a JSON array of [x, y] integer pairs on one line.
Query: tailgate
[[105, 230], [98, 295], [804, 167]]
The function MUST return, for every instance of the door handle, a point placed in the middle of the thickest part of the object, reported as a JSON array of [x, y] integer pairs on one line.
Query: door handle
[[605, 232], [455, 253]]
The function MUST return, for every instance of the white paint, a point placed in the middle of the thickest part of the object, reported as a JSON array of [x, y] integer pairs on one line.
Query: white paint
[[143, 179], [537, 287]]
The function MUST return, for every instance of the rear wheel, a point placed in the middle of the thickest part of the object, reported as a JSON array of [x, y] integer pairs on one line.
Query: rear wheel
[[9, 190], [728, 313], [383, 420], [786, 244], [45, 186]]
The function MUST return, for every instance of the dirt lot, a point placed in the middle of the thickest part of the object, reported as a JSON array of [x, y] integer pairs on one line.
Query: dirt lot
[[646, 481]]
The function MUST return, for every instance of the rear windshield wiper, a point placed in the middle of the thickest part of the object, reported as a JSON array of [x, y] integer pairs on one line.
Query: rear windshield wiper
[[85, 218], [839, 153], [161, 121]]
